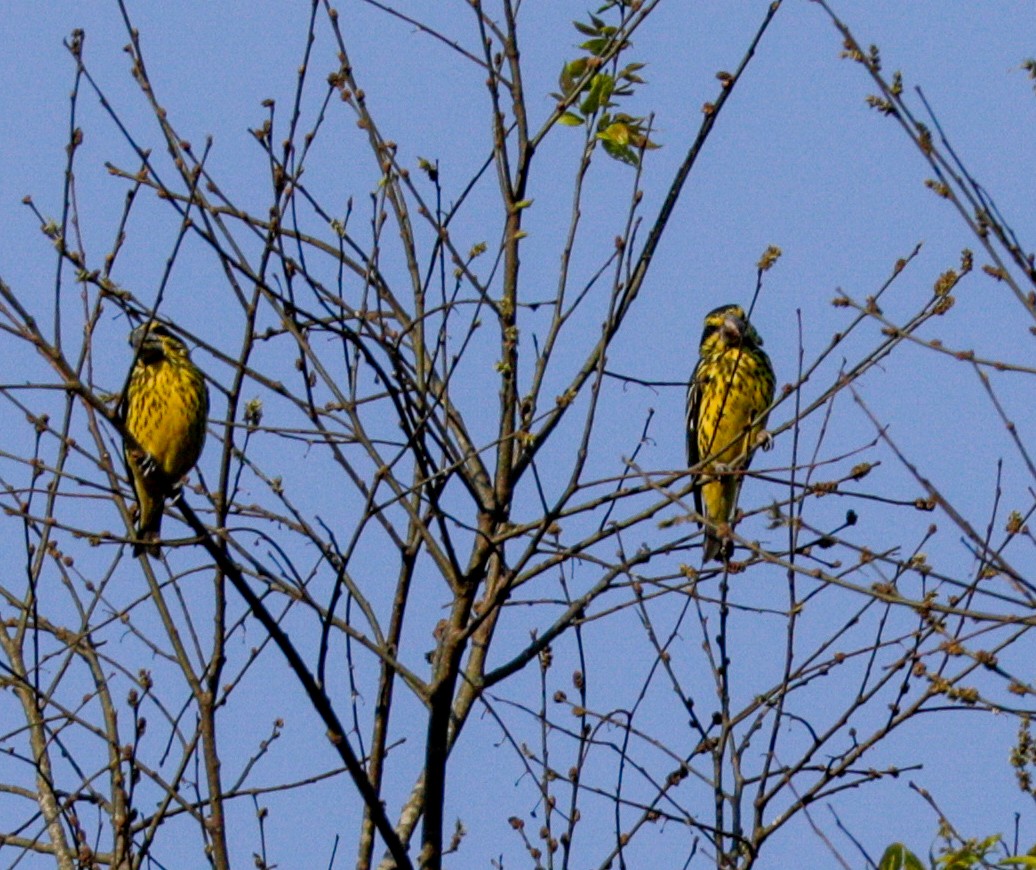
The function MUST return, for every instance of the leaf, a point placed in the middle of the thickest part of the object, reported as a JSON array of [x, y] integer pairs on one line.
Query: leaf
[[596, 46], [617, 132], [640, 141], [571, 119], [899, 857], [622, 153], [571, 73], [629, 73], [972, 853], [601, 87]]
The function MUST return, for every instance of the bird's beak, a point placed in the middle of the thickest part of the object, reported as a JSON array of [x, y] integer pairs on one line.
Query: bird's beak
[[733, 328], [142, 339]]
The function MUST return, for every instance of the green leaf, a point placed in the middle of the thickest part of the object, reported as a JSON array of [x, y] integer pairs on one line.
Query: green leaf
[[571, 73], [969, 855], [571, 119], [1021, 861], [618, 132], [601, 87], [622, 153], [899, 857], [597, 46]]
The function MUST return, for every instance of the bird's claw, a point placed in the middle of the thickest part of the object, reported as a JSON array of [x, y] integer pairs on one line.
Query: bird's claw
[[148, 465], [764, 439]]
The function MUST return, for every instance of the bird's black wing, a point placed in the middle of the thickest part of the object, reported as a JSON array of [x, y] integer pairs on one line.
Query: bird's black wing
[[693, 410], [120, 411]]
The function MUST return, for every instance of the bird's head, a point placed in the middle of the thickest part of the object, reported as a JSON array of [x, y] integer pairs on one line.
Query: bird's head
[[153, 342], [726, 327]]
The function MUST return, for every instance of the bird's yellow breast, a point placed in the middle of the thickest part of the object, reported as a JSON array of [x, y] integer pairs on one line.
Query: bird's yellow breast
[[166, 414], [736, 388]]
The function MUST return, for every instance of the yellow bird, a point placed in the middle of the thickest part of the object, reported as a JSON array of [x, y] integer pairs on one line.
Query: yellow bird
[[165, 409], [727, 406]]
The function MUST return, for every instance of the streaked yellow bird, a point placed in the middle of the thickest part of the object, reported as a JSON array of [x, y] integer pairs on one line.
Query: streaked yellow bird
[[165, 410], [727, 406]]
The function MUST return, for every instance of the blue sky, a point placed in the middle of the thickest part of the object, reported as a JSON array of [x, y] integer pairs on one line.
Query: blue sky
[[797, 160]]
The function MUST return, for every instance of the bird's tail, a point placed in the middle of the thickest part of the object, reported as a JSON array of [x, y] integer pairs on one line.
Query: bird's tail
[[719, 499], [149, 530], [716, 548]]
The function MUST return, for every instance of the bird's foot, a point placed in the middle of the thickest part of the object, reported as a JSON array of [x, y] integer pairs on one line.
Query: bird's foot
[[149, 466], [764, 439]]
